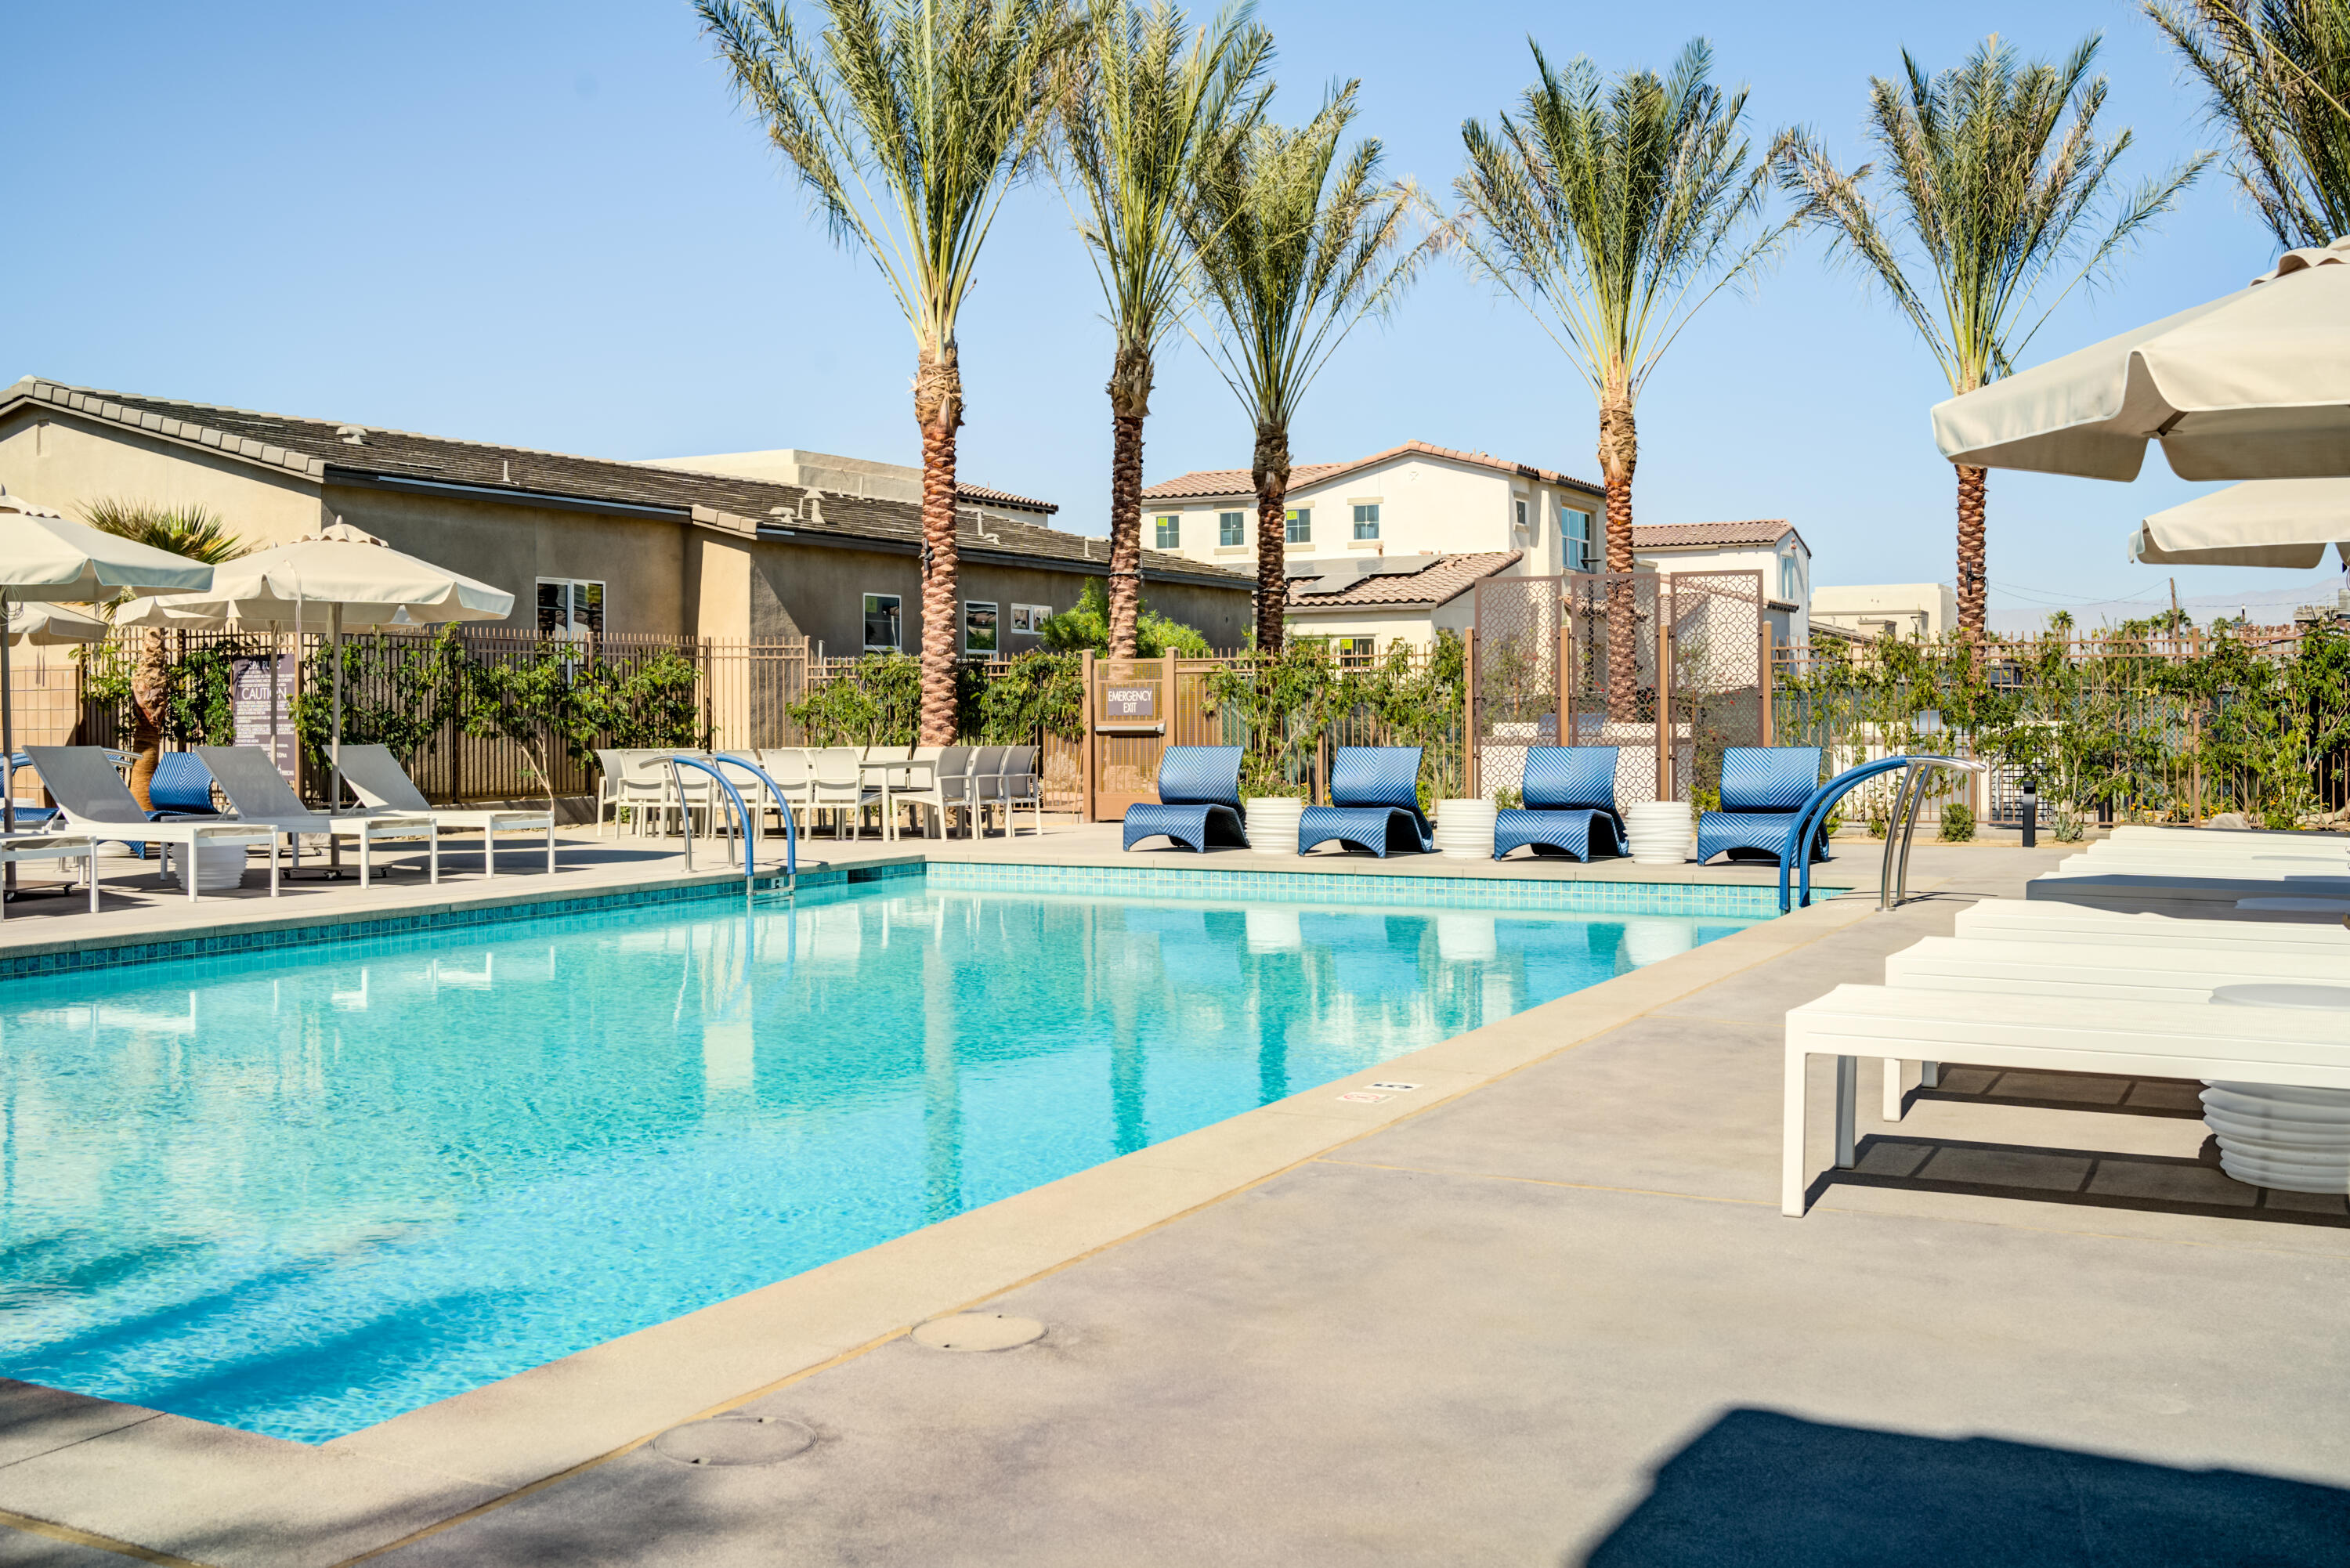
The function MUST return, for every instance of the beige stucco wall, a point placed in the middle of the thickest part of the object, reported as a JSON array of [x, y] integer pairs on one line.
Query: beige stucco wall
[[65, 460], [1907, 609], [1428, 505]]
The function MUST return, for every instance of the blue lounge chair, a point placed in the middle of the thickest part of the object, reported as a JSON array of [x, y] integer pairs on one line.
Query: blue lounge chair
[[181, 786], [1763, 789], [1374, 802], [1198, 804], [1569, 792]]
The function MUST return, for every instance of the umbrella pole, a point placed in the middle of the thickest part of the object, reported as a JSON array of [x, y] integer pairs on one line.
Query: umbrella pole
[[334, 639], [274, 760]]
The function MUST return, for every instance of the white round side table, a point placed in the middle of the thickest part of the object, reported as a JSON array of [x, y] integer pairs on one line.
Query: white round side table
[[1464, 829], [1660, 831], [1272, 823]]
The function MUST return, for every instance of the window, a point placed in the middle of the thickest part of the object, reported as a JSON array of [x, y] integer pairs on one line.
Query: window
[[1366, 521], [1027, 620], [1791, 580], [1575, 539], [977, 628], [570, 608], [1357, 650], [1301, 525], [1521, 516], [1170, 533], [884, 623], [1228, 528]]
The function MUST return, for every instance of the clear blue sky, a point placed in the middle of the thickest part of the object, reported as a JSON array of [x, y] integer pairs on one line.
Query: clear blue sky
[[548, 225]]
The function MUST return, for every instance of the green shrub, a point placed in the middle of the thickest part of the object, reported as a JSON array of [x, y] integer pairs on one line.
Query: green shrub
[[1958, 823]]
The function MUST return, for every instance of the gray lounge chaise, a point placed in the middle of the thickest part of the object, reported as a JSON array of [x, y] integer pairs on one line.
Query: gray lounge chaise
[[93, 799], [260, 796], [377, 777]]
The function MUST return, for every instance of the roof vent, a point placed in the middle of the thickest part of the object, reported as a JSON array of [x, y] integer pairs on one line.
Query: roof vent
[[353, 435]]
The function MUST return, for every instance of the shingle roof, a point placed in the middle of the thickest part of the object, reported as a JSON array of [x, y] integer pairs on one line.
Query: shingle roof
[[331, 451], [1682, 535], [1442, 580], [980, 495], [1208, 482]]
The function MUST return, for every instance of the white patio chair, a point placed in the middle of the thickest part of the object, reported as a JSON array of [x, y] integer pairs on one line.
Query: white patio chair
[[93, 799], [986, 787], [379, 780], [259, 794], [1021, 787], [792, 769], [836, 784], [939, 782], [625, 779]]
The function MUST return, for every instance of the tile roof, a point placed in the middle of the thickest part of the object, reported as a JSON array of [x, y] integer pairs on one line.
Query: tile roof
[[1204, 483], [980, 495], [1442, 580], [1682, 535], [331, 451]]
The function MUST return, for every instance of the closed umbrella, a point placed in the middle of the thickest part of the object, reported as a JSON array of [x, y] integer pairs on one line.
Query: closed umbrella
[[45, 559], [2270, 523], [338, 577], [2253, 385]]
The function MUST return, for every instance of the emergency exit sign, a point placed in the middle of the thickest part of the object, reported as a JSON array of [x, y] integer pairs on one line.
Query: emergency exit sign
[[1130, 703]]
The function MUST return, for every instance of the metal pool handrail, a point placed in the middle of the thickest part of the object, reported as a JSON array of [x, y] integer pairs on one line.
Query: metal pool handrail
[[1893, 876], [741, 812]]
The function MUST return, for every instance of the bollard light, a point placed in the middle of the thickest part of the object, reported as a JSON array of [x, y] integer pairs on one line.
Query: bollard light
[[2031, 813]]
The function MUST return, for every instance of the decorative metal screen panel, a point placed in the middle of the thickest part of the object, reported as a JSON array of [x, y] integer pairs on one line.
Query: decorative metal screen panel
[[1716, 679], [1612, 699], [1517, 685]]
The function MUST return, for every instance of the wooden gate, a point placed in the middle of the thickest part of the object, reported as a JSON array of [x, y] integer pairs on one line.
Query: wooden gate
[[1135, 710]]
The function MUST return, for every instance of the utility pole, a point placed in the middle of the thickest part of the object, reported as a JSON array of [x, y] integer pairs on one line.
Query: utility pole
[[2173, 606]]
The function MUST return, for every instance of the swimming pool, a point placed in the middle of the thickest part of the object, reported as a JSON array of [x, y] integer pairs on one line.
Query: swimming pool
[[302, 1190]]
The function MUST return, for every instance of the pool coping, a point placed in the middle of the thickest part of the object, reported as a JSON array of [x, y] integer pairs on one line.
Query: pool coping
[[121, 1476]]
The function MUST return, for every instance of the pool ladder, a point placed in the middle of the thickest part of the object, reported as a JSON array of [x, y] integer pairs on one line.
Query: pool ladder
[[745, 817]]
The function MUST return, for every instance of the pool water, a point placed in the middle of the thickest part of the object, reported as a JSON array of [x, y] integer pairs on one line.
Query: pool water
[[302, 1191]]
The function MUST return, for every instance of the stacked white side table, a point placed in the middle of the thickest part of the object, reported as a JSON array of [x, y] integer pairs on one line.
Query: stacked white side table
[[1660, 831], [1464, 829], [1272, 823]]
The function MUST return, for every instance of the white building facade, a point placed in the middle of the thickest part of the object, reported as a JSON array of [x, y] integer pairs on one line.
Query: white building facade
[[1911, 611]]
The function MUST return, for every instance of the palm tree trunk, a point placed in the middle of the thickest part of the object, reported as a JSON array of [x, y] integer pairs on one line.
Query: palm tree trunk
[[1270, 470], [1619, 454], [1130, 404], [1974, 593], [150, 699], [938, 409]]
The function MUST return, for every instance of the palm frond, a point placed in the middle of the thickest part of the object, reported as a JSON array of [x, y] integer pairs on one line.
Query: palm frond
[[2278, 76], [196, 532], [1992, 199]]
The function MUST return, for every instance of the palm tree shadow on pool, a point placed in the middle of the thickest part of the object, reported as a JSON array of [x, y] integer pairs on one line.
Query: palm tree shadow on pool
[[1762, 1489]]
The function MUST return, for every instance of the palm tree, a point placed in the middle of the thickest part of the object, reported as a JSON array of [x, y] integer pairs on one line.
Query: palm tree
[[1613, 211], [1999, 177], [1141, 111], [2279, 76], [1293, 246], [189, 531], [908, 121]]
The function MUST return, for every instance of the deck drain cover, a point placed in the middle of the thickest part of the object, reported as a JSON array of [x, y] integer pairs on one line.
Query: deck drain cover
[[734, 1440], [979, 1331]]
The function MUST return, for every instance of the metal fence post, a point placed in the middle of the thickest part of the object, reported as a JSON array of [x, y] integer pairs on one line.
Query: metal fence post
[[1473, 785], [1085, 746]]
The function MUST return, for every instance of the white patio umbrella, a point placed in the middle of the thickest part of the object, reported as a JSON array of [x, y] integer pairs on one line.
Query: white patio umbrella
[[2269, 522], [46, 559], [2253, 385], [336, 578]]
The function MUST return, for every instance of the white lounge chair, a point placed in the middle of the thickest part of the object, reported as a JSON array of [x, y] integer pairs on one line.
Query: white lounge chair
[[836, 784], [15, 848], [379, 780], [2047, 921], [2297, 1046], [260, 796], [94, 800], [2125, 973], [939, 781]]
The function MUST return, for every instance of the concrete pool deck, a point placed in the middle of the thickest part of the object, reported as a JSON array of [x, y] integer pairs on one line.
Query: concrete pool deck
[[1461, 1324]]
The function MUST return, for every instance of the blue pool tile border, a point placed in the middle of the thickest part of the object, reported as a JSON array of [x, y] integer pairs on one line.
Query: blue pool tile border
[[1730, 901], [1739, 900]]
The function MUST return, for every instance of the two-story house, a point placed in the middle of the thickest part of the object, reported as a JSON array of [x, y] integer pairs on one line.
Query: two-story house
[[1392, 546]]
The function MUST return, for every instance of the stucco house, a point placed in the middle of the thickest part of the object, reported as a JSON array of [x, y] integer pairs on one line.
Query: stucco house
[[1392, 546], [1908, 610], [596, 545]]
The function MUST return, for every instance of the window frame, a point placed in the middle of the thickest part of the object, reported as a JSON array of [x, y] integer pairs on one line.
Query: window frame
[[994, 609], [864, 624], [1359, 507], [1297, 525], [1576, 546], [1170, 531], [1236, 525], [572, 627], [1036, 615]]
